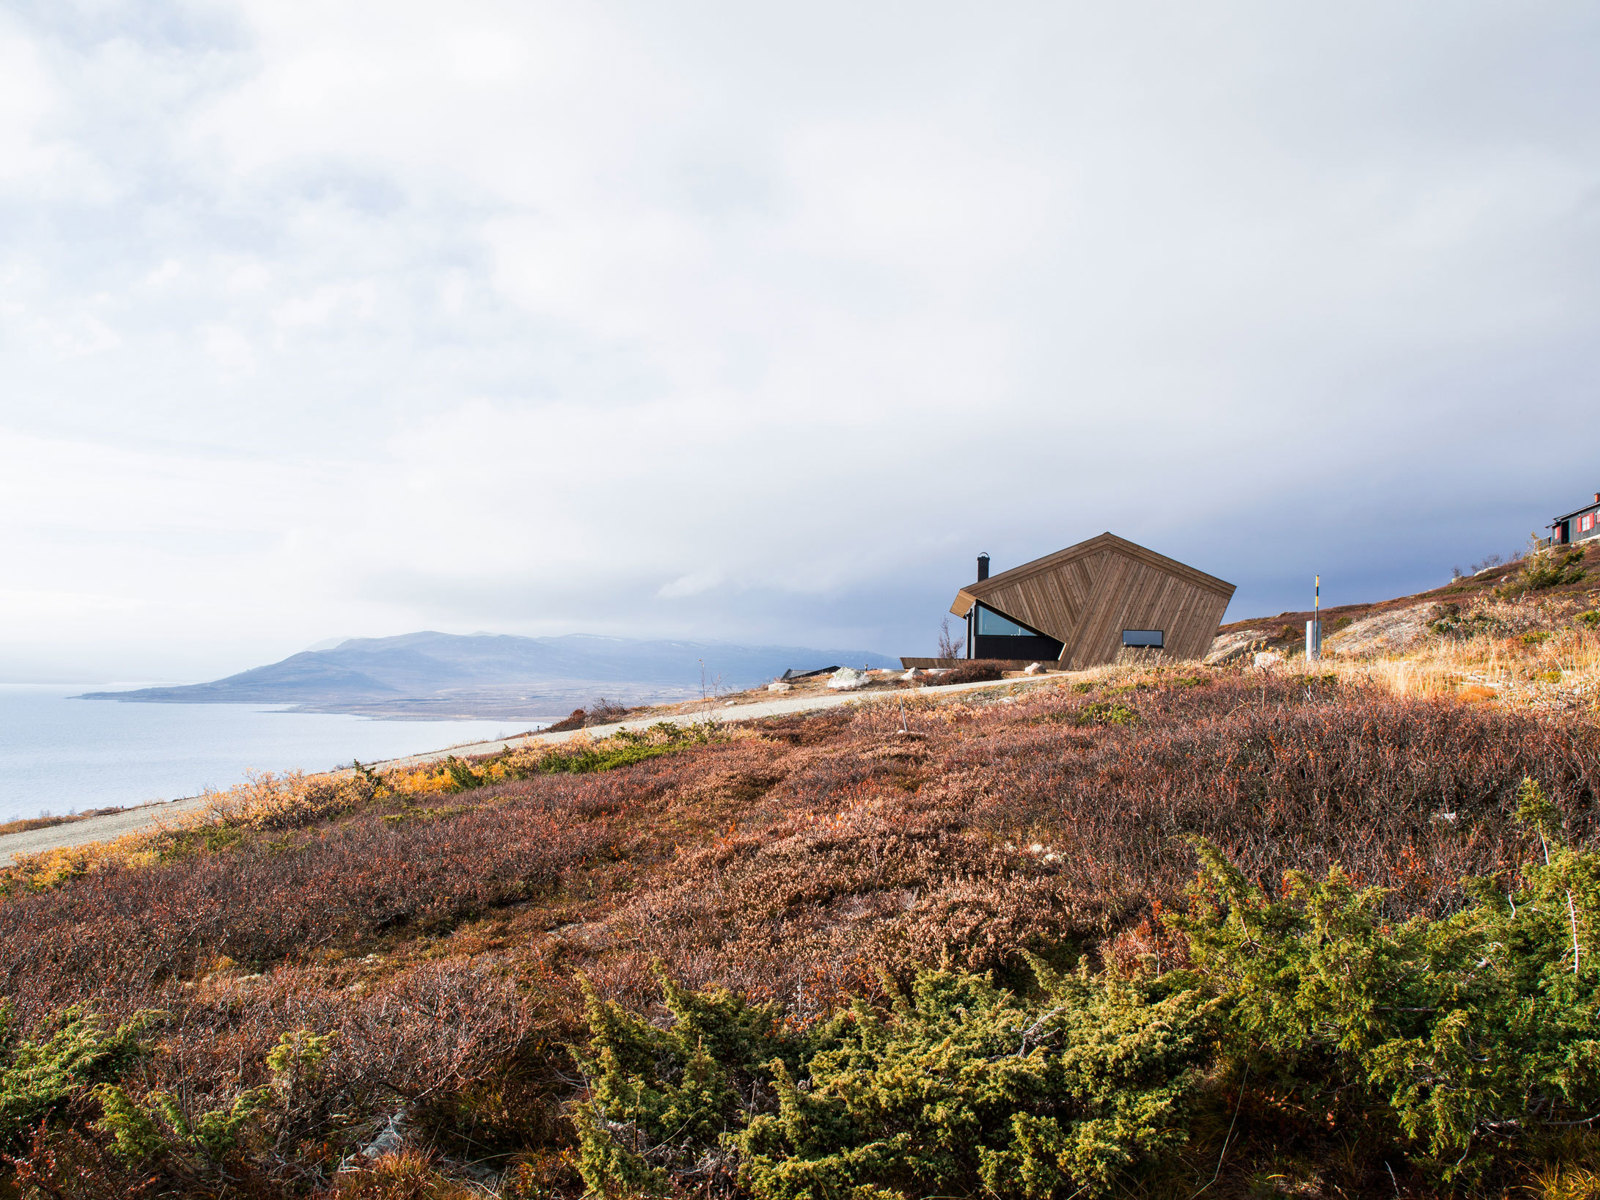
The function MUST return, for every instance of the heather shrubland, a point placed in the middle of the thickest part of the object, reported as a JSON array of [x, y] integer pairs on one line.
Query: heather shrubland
[[1157, 927], [1441, 1043]]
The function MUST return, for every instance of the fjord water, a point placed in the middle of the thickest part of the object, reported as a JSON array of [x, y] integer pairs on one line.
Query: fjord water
[[59, 754]]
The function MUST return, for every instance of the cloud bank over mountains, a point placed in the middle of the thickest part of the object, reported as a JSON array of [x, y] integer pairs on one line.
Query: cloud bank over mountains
[[706, 320]]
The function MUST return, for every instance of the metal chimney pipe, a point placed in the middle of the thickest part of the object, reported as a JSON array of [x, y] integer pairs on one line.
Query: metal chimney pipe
[[983, 567]]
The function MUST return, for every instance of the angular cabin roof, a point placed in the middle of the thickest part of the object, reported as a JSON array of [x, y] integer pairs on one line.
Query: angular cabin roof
[[1055, 593]]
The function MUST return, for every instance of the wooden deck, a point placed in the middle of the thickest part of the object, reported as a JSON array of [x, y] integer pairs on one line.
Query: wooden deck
[[1005, 664]]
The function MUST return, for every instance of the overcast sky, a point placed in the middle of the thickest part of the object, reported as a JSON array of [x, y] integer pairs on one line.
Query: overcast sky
[[756, 321]]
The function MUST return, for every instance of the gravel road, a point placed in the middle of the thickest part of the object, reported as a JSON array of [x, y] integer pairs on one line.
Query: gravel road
[[144, 816]]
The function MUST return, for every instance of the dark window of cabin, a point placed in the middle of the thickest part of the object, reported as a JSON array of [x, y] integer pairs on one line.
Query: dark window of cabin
[[1143, 637], [992, 624]]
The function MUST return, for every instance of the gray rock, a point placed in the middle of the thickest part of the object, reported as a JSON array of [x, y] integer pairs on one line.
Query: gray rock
[[846, 678]]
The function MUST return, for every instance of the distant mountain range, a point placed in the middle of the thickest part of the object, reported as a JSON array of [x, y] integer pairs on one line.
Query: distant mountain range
[[434, 675]]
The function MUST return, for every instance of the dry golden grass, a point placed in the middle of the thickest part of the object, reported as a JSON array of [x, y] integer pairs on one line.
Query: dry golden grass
[[1536, 655], [1565, 1182]]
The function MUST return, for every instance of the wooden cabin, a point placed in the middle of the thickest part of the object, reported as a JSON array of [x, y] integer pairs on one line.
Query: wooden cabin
[[1084, 605]]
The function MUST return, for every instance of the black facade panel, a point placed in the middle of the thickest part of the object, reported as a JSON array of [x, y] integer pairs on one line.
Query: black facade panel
[[1035, 649]]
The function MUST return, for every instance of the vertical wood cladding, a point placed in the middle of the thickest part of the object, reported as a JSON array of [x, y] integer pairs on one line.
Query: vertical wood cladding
[[1086, 595]]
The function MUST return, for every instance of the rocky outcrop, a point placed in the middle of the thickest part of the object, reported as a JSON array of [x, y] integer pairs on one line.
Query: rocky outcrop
[[1232, 647], [1392, 632]]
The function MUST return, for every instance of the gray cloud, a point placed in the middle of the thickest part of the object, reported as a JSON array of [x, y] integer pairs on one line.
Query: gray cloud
[[706, 318]]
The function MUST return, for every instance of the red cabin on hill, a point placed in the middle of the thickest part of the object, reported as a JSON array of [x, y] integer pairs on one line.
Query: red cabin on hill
[[1577, 526]]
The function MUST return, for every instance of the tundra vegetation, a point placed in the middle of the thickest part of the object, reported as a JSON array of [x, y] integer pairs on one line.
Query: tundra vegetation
[[1152, 932], [1522, 631]]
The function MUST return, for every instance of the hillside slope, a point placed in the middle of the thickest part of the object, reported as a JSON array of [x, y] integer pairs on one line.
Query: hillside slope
[[1525, 633], [427, 944], [1493, 585]]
